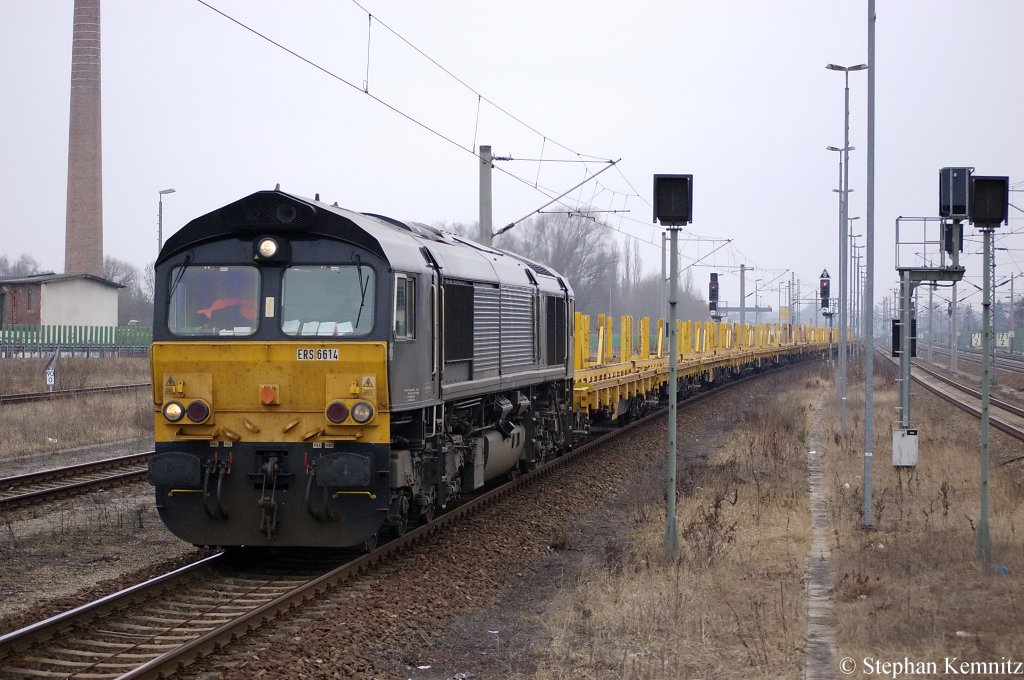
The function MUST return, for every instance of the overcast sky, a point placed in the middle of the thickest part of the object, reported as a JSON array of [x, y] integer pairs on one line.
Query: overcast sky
[[734, 92]]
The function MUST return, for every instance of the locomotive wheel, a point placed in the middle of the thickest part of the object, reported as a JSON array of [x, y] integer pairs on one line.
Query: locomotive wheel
[[398, 520]]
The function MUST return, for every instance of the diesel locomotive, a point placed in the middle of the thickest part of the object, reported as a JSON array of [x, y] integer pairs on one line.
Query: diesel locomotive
[[322, 377]]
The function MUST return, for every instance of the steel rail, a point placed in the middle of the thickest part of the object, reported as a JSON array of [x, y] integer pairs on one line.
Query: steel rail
[[204, 643], [45, 485], [43, 630], [77, 392], [1000, 423], [1005, 405], [1009, 363]]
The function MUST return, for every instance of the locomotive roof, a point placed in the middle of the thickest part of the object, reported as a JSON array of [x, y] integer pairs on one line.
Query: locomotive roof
[[406, 246]]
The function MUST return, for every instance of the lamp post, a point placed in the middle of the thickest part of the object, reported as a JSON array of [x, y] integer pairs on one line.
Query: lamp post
[[868, 310], [851, 282], [844, 194], [160, 220], [860, 298], [842, 239]]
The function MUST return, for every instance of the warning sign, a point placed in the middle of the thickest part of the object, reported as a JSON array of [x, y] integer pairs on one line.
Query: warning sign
[[368, 386]]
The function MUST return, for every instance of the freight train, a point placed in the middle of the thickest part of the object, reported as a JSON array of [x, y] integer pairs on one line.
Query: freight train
[[323, 377]]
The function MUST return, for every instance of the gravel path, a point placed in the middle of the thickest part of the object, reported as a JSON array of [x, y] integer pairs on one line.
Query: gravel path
[[821, 635]]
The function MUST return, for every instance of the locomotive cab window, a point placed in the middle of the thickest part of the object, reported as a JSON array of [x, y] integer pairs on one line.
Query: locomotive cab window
[[405, 307], [328, 300], [213, 300]]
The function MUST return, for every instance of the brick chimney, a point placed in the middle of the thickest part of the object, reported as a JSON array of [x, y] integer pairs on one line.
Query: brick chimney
[[83, 246]]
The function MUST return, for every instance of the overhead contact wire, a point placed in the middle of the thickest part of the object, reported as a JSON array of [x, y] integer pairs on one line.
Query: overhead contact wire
[[471, 88], [550, 193]]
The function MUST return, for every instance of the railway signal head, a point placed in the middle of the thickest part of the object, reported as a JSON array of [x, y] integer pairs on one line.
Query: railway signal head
[[954, 192], [989, 204], [823, 289], [713, 293], [673, 200]]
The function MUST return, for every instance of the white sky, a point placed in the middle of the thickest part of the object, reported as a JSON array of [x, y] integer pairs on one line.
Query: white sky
[[734, 92]]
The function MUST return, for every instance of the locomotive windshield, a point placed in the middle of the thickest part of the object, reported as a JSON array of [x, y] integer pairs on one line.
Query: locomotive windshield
[[329, 300], [212, 300]]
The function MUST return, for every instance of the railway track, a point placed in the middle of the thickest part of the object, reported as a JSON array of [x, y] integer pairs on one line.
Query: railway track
[[1002, 415], [57, 394], [154, 629], [1011, 363], [48, 485]]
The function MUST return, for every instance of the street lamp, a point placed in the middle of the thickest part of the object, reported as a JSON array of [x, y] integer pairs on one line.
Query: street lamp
[[160, 220], [842, 237]]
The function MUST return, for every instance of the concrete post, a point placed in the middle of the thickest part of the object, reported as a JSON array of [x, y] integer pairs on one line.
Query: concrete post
[[671, 540], [984, 539], [743, 294], [486, 210]]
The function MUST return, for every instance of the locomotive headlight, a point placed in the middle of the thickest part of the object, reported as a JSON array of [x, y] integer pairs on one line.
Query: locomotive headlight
[[198, 411], [173, 411], [362, 412], [271, 250], [267, 248], [336, 412]]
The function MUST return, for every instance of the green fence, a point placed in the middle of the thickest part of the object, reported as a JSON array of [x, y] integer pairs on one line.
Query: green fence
[[25, 339]]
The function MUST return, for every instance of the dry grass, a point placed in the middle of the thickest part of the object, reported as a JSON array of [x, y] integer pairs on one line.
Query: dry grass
[[27, 374], [913, 588], [70, 422], [733, 605]]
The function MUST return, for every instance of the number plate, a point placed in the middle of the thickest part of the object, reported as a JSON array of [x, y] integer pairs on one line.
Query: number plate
[[307, 354]]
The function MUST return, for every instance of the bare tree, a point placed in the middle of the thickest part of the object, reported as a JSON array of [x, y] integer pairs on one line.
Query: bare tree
[[465, 229], [579, 248], [149, 281], [25, 265], [135, 300], [120, 272], [648, 298], [632, 266]]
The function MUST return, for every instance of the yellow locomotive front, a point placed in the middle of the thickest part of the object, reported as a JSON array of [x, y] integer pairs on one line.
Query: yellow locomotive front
[[270, 383]]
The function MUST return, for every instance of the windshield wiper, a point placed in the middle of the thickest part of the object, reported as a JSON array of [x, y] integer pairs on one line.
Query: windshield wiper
[[363, 283], [179, 275]]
